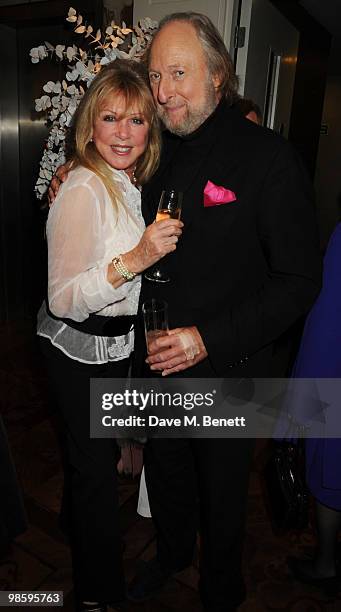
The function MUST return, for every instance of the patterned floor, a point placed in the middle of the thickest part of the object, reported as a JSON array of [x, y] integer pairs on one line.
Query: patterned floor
[[40, 558]]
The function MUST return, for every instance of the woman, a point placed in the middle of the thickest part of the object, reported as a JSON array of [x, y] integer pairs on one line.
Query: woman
[[97, 249], [320, 357]]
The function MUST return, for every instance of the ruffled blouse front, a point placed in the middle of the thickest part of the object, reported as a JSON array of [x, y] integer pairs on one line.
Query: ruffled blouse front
[[84, 233]]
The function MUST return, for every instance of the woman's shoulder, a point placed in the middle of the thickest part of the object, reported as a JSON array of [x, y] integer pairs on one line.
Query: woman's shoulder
[[82, 180], [81, 176], [82, 187]]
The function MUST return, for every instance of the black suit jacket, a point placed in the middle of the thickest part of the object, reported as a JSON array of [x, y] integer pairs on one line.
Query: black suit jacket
[[243, 272]]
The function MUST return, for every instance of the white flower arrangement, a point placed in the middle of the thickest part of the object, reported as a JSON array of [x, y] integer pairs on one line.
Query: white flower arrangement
[[61, 99]]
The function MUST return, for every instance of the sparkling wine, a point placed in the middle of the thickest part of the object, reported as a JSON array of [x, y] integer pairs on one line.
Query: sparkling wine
[[169, 208], [168, 214]]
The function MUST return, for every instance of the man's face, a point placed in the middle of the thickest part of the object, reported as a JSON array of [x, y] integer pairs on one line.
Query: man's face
[[184, 92]]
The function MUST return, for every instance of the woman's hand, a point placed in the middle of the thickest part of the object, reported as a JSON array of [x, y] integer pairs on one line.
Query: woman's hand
[[158, 240]]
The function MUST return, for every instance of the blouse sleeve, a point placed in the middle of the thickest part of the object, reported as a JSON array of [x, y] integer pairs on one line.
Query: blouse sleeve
[[77, 274]]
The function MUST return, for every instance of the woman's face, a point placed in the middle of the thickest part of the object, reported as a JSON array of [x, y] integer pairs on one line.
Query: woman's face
[[120, 134]]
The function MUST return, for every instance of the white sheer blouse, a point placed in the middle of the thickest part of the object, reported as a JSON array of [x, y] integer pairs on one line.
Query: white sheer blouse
[[84, 234]]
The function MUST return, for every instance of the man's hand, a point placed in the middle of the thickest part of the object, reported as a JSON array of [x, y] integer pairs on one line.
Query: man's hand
[[182, 348], [59, 177]]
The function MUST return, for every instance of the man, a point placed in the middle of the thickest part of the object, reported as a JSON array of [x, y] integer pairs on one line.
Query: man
[[242, 273]]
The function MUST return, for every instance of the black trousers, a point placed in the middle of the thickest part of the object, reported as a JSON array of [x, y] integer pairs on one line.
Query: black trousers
[[180, 472], [90, 500]]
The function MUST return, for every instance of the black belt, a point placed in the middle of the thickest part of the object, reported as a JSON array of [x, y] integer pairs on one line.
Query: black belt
[[96, 325]]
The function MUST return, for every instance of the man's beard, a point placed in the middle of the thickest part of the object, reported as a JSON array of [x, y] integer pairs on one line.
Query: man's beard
[[193, 118]]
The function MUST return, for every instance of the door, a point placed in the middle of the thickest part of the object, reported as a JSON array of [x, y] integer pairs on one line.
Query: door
[[12, 252], [219, 11], [266, 64], [22, 135]]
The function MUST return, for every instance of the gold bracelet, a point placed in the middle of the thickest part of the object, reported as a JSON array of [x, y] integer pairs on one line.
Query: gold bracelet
[[122, 269]]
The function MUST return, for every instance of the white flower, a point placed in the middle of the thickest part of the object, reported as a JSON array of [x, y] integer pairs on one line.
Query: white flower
[[38, 53], [43, 103], [54, 114], [72, 76], [84, 71], [72, 15], [72, 90], [133, 51], [62, 121], [42, 52], [63, 102], [48, 86], [55, 101], [148, 24], [91, 79], [73, 103], [63, 96], [59, 51], [109, 56], [123, 55], [57, 135], [41, 189], [49, 163], [51, 87], [45, 173], [71, 52]]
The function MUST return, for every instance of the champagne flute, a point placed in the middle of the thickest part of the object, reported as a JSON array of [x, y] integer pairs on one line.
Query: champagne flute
[[155, 316], [169, 208]]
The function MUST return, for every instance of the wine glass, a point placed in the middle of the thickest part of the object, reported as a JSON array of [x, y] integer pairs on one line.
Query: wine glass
[[169, 208], [155, 316]]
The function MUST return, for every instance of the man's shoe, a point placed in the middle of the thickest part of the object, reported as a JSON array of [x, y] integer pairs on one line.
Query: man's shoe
[[118, 606], [93, 607], [100, 606], [233, 609], [148, 582]]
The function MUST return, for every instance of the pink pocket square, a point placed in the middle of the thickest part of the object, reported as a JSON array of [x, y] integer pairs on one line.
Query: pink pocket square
[[215, 195]]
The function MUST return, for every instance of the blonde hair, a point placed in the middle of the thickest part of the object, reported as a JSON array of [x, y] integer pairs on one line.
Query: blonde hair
[[129, 79]]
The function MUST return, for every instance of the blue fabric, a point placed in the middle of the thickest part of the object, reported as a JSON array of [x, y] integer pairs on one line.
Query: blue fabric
[[319, 356]]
